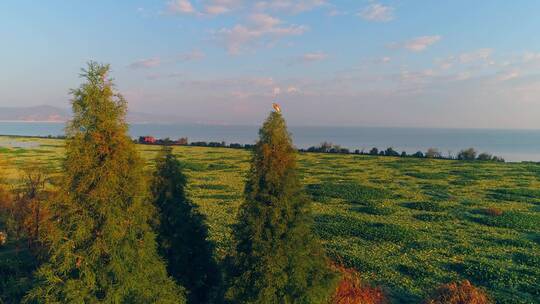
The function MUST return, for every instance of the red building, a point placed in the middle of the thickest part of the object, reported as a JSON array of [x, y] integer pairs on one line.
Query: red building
[[147, 140]]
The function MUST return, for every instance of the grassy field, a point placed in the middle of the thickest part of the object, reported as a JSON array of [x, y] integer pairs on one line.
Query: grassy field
[[406, 224]]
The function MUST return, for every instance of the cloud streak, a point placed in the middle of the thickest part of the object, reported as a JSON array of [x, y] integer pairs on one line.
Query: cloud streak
[[289, 6], [417, 44], [314, 57], [146, 63], [193, 55], [377, 12]]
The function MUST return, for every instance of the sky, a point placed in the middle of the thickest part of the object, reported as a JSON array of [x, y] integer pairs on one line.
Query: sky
[[456, 64]]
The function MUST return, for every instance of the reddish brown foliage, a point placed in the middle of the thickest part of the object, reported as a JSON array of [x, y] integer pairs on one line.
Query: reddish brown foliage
[[458, 293], [351, 289], [493, 211]]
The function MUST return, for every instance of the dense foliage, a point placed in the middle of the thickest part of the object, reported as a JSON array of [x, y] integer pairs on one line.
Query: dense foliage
[[24, 226], [459, 293], [352, 290], [182, 232], [277, 257], [102, 246]]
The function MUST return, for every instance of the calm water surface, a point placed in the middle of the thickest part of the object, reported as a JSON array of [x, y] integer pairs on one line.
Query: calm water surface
[[513, 145]]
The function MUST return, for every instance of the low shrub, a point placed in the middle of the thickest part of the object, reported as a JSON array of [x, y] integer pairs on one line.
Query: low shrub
[[212, 187], [513, 220], [470, 202], [494, 274], [327, 227], [413, 271], [492, 211], [425, 206], [375, 209], [458, 293], [219, 166], [529, 259], [351, 289], [193, 166], [536, 238], [437, 192], [428, 175], [433, 217], [389, 233], [516, 195], [351, 192]]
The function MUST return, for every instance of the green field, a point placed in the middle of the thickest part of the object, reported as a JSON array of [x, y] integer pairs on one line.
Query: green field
[[406, 224]]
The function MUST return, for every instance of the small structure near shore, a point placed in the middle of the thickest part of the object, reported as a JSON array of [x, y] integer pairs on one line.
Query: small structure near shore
[[147, 140]]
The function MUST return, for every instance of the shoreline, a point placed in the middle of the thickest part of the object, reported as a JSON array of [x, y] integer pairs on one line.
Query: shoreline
[[313, 149]]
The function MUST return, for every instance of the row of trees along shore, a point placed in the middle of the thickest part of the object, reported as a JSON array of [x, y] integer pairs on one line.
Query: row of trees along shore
[[106, 234], [469, 154]]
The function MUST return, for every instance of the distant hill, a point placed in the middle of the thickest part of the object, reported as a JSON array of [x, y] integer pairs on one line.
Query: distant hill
[[55, 114], [36, 113]]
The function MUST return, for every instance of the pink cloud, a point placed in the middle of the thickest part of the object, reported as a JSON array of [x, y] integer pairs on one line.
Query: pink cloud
[[378, 13], [260, 28], [417, 44], [146, 63], [180, 7]]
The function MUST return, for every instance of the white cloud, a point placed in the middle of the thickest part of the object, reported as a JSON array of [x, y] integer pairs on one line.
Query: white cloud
[[465, 75], [157, 61], [146, 63], [312, 57], [377, 12], [293, 90], [386, 59], [289, 6], [306, 58], [422, 76], [335, 12], [504, 76], [418, 44], [218, 7], [260, 29], [181, 7], [421, 43], [530, 56], [155, 76], [475, 56], [191, 56]]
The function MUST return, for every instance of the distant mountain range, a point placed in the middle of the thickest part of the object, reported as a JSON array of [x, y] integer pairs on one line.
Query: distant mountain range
[[47, 113]]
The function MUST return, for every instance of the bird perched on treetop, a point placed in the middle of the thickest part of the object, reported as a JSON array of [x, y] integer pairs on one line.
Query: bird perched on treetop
[[276, 107]]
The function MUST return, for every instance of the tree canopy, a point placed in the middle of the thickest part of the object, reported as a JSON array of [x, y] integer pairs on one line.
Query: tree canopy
[[103, 248], [278, 259]]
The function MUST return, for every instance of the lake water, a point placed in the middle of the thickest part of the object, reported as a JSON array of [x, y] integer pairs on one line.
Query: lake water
[[512, 145]]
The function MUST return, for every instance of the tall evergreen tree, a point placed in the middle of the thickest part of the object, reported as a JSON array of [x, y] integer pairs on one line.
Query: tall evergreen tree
[[103, 248], [278, 259], [182, 231]]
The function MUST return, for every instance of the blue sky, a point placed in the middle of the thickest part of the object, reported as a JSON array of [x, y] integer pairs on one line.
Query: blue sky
[[473, 64]]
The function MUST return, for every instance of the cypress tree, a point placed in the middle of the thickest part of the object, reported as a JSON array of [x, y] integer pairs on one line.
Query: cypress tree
[[182, 231], [102, 246], [278, 259]]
